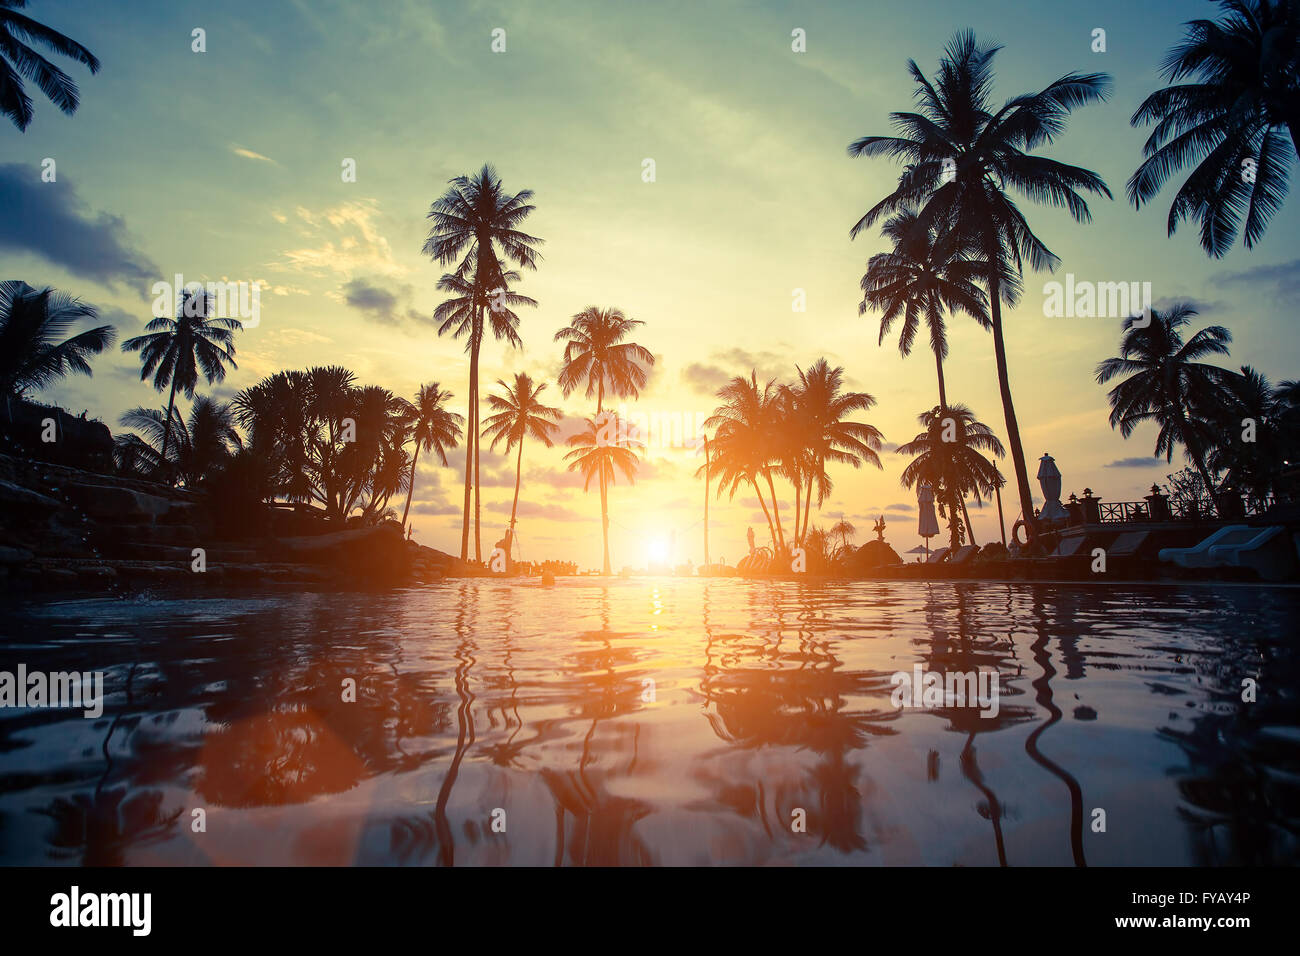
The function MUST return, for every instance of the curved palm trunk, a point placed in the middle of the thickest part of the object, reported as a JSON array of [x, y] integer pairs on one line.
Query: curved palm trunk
[[938, 367], [1008, 409], [519, 465], [410, 487], [771, 528], [807, 511], [970, 530], [776, 508], [167, 429]]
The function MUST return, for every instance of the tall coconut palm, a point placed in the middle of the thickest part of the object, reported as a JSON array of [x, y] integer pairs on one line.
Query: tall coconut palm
[[1231, 123], [519, 412], [174, 351], [965, 156], [922, 277], [432, 428], [34, 348], [949, 455], [745, 426], [601, 450], [823, 434], [1164, 381], [597, 357], [19, 60], [477, 221]]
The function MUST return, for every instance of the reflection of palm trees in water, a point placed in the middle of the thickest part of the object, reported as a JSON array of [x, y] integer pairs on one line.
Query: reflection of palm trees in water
[[466, 624], [100, 827], [1042, 685], [969, 654], [602, 823]]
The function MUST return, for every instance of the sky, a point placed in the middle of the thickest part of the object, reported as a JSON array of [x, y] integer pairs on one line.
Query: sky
[[226, 164]]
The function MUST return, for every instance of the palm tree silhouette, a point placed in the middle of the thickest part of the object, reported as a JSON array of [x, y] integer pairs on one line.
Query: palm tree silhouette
[[948, 455], [175, 350], [33, 350], [923, 276], [1232, 122], [598, 451], [432, 428], [1163, 382], [16, 57], [822, 435], [596, 356], [475, 218], [1252, 466], [964, 155], [745, 425], [202, 444], [519, 413], [845, 530]]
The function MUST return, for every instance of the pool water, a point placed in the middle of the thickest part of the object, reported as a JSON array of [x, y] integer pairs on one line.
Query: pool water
[[651, 721]]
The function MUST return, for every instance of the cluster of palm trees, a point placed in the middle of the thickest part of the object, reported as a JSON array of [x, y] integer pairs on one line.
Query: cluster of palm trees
[[1241, 434], [791, 431], [959, 242]]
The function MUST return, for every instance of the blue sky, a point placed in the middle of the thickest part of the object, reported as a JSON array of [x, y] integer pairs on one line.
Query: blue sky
[[227, 163]]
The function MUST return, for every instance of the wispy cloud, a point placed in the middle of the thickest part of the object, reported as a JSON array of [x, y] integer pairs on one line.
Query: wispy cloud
[[249, 154]]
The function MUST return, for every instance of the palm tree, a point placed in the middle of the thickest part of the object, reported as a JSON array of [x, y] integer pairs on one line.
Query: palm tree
[[175, 350], [596, 356], [432, 428], [16, 57], [949, 455], [34, 352], [599, 450], [475, 218], [845, 530], [923, 276], [744, 428], [1165, 382], [824, 436], [987, 152], [519, 413], [1252, 466], [1232, 122], [202, 445]]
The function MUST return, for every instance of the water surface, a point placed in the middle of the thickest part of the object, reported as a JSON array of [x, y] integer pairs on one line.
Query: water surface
[[659, 721]]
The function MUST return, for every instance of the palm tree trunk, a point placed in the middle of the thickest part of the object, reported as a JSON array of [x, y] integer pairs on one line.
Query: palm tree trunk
[[807, 510], [771, 528], [970, 531], [938, 366], [519, 465], [470, 436], [776, 508], [411, 487], [167, 428], [1008, 409], [706, 501], [604, 520]]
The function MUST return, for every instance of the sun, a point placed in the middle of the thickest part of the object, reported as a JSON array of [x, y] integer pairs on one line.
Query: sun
[[656, 551]]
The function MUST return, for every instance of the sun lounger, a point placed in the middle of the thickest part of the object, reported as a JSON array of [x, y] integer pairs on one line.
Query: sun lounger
[[1270, 553], [1233, 535], [963, 554], [938, 555], [1128, 544]]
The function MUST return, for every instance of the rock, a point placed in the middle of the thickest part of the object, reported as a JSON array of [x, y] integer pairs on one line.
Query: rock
[[377, 554], [17, 499], [116, 503]]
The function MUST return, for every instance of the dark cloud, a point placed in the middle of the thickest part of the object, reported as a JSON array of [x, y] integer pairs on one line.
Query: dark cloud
[[722, 366], [1282, 279], [49, 219], [1135, 462], [378, 303]]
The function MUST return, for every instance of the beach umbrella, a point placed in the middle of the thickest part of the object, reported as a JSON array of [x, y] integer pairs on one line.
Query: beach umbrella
[[927, 523]]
